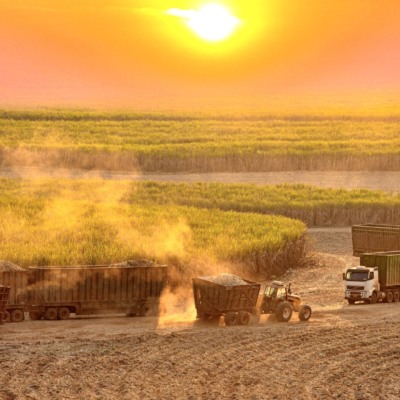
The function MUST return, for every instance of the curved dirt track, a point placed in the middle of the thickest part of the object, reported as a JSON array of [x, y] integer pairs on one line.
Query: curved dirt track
[[374, 180]]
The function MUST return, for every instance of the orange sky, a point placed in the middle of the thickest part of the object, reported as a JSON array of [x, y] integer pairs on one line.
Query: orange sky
[[84, 50]]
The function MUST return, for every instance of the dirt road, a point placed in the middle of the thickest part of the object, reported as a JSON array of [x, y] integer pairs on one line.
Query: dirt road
[[374, 180]]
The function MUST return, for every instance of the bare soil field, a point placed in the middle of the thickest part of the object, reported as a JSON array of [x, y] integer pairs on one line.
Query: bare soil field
[[347, 352], [343, 352]]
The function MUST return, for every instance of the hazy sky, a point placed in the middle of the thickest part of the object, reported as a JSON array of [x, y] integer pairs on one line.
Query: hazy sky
[[83, 50]]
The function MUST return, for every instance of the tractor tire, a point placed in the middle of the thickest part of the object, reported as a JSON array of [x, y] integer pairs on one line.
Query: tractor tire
[[17, 316], [231, 318], [374, 298], [284, 311], [351, 301], [305, 313], [243, 318], [396, 296]]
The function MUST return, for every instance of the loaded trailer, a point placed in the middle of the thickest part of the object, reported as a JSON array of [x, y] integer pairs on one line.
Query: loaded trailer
[[237, 300], [376, 279], [55, 292]]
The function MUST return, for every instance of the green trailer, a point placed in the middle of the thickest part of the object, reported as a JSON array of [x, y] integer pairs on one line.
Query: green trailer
[[388, 264]]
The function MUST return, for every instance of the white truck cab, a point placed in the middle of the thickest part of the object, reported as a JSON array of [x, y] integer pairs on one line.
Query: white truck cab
[[362, 284]]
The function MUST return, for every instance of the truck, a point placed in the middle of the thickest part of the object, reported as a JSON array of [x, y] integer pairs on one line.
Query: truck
[[237, 300], [54, 293], [372, 238], [377, 279]]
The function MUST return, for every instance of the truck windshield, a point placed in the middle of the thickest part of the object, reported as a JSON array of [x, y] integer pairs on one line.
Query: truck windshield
[[357, 276]]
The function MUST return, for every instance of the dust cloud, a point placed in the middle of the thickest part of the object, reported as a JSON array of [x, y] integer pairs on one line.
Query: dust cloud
[[176, 306], [66, 163]]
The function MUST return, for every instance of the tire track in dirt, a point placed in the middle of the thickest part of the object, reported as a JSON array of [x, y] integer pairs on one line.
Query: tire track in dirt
[[266, 361]]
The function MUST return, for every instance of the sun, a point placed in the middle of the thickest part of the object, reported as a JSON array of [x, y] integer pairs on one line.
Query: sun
[[213, 22]]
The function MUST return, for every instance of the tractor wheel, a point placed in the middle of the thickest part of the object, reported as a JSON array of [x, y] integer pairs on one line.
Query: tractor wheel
[[35, 315], [243, 318], [351, 301], [396, 296], [374, 298], [63, 313], [389, 296], [50, 314], [305, 313], [17, 316], [231, 318], [284, 311]]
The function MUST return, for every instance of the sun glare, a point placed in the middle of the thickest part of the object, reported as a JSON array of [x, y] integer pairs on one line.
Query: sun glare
[[213, 22]]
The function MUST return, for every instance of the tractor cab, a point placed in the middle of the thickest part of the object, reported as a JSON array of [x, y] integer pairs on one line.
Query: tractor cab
[[275, 290], [276, 293]]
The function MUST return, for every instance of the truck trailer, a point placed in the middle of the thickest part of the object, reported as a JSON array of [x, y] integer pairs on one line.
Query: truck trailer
[[377, 279], [53, 293], [372, 238], [4, 292]]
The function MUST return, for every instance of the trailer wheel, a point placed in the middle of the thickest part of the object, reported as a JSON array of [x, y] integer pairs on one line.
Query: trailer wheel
[[374, 298], [243, 318], [17, 316], [50, 314], [284, 311], [35, 315], [304, 313], [396, 296], [231, 318], [389, 296], [63, 313], [6, 316]]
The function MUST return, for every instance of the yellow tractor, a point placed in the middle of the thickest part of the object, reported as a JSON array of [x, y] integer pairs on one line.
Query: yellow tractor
[[279, 300]]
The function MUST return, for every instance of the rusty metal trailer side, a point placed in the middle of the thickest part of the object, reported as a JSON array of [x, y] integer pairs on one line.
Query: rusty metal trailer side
[[4, 293], [18, 299], [213, 299], [58, 291], [371, 238]]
